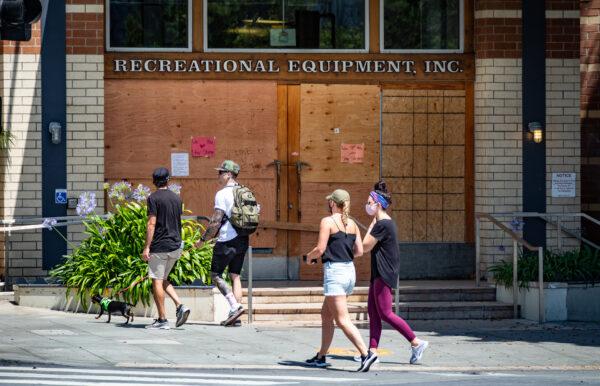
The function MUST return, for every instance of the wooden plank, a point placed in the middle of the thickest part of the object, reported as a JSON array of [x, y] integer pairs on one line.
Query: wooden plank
[[281, 248], [454, 185], [374, 20], [282, 60], [420, 226], [434, 202], [419, 185], [435, 161], [420, 103], [397, 161], [420, 129], [399, 185], [197, 26], [469, 181], [397, 129], [435, 129], [416, 85], [453, 201], [293, 156], [404, 220], [454, 105], [419, 161], [435, 185], [435, 102], [419, 201], [354, 110], [402, 201], [145, 121], [390, 92], [399, 104]]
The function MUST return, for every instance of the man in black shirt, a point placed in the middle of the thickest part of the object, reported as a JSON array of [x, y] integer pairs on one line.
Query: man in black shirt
[[164, 247]]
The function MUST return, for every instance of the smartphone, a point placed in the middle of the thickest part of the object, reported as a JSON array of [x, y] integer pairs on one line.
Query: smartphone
[[305, 259]]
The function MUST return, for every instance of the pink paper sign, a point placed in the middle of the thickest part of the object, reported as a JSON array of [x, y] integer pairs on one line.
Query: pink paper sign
[[353, 153], [203, 147]]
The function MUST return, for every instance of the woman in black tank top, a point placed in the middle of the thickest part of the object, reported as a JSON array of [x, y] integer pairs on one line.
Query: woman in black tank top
[[339, 242]]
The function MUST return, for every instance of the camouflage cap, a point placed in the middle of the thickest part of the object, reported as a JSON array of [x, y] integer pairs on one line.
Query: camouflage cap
[[229, 166], [339, 196]]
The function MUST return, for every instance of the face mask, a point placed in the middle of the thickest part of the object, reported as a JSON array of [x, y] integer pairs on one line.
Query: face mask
[[371, 209]]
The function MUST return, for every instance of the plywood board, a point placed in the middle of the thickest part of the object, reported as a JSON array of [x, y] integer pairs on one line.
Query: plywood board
[[420, 226], [420, 104], [454, 105], [454, 129], [435, 185], [420, 161], [435, 104], [403, 201], [419, 185], [404, 220], [397, 129], [454, 185], [454, 202], [400, 104], [399, 185], [419, 201], [435, 129], [434, 202], [434, 226], [420, 129], [454, 161], [397, 161], [354, 110], [391, 92], [435, 161], [454, 226]]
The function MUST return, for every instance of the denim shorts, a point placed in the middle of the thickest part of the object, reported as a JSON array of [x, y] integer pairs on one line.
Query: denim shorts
[[338, 278]]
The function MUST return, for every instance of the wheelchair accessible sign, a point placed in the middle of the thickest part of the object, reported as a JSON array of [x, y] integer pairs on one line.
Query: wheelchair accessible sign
[[60, 196]]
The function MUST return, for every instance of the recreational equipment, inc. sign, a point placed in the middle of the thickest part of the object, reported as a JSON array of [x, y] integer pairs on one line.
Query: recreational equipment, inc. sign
[[291, 66]]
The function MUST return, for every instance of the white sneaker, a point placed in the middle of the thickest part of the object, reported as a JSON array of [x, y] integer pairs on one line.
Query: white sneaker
[[417, 352]]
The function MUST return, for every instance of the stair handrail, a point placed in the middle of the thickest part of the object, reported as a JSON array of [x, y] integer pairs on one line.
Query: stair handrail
[[516, 241]]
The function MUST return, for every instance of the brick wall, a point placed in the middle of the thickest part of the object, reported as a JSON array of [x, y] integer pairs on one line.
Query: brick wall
[[590, 113], [21, 97], [498, 115]]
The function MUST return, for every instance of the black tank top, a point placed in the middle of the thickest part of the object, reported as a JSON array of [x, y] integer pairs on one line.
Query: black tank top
[[339, 247]]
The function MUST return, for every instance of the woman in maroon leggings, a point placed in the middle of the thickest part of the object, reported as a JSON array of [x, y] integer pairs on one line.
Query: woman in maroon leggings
[[382, 241]]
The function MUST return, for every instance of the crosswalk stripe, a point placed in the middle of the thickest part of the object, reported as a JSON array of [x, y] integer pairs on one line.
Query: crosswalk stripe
[[96, 383], [146, 380], [180, 374]]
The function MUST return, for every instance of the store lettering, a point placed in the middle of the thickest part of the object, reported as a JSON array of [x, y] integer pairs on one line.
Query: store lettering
[[291, 66]]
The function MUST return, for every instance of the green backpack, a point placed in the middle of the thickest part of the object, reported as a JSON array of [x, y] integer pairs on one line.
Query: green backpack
[[245, 211]]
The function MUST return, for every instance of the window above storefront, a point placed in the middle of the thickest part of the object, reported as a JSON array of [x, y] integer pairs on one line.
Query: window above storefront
[[286, 25], [149, 25], [422, 26]]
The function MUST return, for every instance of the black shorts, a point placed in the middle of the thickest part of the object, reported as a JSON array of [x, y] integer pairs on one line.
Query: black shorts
[[229, 254]]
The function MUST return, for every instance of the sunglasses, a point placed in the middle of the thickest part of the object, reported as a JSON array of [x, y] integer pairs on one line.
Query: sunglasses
[[222, 172]]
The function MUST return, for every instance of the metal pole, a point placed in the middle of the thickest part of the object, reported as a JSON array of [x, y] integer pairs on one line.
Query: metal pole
[[250, 285], [558, 232], [541, 305], [477, 251], [515, 281], [397, 296]]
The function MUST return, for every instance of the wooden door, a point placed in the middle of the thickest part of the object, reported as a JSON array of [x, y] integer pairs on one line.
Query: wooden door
[[146, 121], [427, 161], [330, 116]]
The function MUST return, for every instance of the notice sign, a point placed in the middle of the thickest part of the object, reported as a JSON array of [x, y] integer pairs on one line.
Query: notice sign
[[203, 147], [180, 164], [353, 153], [563, 184]]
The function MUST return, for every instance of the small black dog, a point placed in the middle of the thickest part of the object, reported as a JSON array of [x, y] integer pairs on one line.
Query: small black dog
[[111, 306]]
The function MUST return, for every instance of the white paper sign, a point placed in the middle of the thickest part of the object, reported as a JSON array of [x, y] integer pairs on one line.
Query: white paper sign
[[563, 184], [180, 164]]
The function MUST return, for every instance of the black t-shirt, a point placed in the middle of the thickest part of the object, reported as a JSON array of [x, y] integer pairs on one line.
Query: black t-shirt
[[385, 256], [167, 207]]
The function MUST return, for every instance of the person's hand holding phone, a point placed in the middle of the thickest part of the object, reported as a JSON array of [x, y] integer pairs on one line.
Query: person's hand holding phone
[[309, 261]]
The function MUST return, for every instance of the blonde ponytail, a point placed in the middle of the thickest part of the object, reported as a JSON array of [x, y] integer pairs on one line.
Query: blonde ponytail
[[345, 212]]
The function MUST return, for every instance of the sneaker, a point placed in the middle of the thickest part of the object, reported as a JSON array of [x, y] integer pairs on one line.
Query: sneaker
[[182, 315], [358, 358], [417, 352], [367, 361], [159, 325], [318, 362], [233, 316]]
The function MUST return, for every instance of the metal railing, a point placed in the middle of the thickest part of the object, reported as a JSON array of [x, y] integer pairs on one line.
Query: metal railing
[[516, 241]]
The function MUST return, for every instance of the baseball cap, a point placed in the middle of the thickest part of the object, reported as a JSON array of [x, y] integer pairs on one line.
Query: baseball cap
[[160, 174], [339, 196], [229, 166]]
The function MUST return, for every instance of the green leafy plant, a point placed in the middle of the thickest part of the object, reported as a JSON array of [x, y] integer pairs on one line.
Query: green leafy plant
[[6, 139], [577, 265], [109, 259]]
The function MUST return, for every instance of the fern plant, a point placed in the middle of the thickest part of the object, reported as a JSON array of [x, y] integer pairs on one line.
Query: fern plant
[[109, 259]]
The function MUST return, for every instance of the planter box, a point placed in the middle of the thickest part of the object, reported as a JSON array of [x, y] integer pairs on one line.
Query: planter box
[[555, 300], [206, 303], [583, 303]]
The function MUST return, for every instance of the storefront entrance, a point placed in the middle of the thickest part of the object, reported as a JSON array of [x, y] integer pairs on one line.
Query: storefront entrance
[[298, 142]]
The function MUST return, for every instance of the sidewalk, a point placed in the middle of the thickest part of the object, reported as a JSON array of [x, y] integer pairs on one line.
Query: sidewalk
[[30, 335]]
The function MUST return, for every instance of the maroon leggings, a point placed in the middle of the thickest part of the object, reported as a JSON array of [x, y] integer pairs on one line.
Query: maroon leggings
[[380, 308]]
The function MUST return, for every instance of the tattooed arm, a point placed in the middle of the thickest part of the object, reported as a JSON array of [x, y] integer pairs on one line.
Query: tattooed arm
[[213, 226]]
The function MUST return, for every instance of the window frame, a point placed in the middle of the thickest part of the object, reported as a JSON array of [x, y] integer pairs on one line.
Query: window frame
[[190, 34], [284, 50], [460, 50]]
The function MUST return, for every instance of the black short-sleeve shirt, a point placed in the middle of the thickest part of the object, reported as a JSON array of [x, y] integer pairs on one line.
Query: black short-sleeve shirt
[[167, 207], [385, 256]]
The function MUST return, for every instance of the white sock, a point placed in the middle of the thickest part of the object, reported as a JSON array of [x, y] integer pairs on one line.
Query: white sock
[[232, 302]]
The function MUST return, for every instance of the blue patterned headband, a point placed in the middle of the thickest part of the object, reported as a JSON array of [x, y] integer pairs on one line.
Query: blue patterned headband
[[379, 199]]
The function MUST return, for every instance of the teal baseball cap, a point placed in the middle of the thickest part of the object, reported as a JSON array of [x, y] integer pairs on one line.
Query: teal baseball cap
[[229, 166]]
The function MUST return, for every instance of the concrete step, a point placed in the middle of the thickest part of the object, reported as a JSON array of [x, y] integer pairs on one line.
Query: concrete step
[[408, 311], [360, 294]]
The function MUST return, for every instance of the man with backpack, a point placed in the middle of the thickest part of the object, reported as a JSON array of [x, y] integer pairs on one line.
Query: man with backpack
[[235, 217]]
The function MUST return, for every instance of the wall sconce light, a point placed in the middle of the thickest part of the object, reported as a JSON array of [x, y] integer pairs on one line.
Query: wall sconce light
[[535, 128]]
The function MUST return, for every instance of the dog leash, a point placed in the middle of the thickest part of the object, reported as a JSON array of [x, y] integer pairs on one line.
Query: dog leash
[[131, 286]]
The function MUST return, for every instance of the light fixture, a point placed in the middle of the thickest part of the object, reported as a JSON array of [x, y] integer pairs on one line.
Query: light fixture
[[535, 128]]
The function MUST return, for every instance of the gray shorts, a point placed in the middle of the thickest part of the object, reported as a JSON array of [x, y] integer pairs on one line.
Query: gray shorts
[[161, 263]]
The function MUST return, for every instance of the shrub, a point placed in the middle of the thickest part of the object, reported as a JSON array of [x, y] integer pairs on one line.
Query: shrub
[[578, 265], [109, 259]]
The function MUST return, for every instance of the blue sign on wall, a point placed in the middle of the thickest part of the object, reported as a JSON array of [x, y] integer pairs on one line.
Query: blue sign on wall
[[60, 196]]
